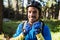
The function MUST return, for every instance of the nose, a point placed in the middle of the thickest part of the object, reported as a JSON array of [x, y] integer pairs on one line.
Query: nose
[[32, 14]]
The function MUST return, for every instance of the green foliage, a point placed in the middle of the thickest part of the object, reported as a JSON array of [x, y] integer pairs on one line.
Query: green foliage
[[9, 27], [54, 25], [49, 3], [55, 36]]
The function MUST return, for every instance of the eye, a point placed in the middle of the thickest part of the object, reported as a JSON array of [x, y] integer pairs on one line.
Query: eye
[[34, 12], [29, 11]]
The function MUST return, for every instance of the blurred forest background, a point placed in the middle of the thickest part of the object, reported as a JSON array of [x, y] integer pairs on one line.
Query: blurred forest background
[[12, 12]]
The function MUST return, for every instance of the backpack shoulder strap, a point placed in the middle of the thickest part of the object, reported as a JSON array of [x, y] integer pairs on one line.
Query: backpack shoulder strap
[[42, 26], [24, 25]]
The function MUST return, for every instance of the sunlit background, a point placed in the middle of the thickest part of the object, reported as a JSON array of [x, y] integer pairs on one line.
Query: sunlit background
[[13, 12]]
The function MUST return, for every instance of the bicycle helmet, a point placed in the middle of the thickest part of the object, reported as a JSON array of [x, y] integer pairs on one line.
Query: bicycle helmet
[[35, 4]]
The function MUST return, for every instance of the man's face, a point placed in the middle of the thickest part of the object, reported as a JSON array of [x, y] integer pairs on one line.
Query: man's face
[[33, 14]]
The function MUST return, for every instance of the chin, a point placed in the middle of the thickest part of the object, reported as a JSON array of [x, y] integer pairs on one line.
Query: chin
[[32, 21]]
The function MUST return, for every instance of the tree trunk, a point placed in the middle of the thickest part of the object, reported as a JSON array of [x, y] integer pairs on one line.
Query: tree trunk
[[17, 10], [1, 6], [9, 4], [59, 15], [59, 10]]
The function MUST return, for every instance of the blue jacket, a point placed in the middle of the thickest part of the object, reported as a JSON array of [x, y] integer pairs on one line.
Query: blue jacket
[[30, 36]]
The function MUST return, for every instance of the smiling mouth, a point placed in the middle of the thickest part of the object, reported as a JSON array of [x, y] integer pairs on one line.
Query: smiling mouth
[[33, 17]]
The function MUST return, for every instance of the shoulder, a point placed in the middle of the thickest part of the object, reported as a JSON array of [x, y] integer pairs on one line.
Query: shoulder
[[19, 30], [46, 30], [43, 24], [22, 24], [46, 27], [47, 33]]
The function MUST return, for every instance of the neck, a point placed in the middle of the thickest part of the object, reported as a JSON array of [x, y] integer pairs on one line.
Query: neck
[[31, 23]]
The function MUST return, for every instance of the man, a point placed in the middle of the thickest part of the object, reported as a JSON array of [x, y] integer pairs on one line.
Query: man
[[33, 29]]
